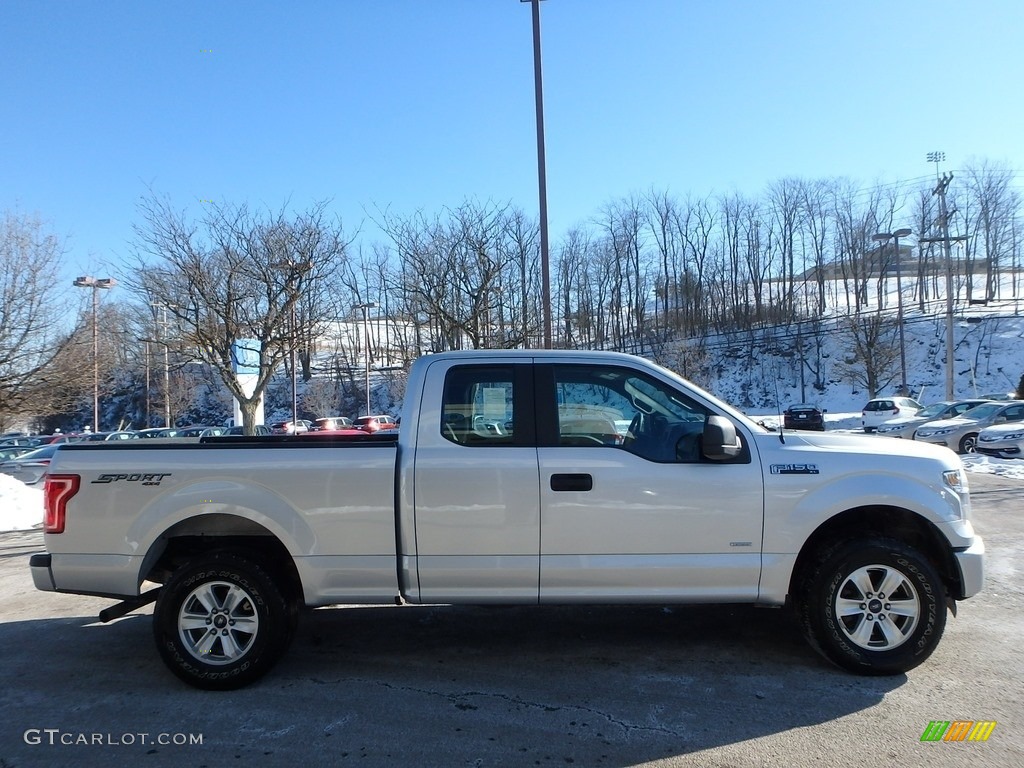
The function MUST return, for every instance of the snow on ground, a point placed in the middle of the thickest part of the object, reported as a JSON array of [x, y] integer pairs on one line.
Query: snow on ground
[[985, 465], [21, 507]]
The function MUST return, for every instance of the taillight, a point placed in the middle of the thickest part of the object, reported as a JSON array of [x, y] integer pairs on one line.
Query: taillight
[[56, 492]]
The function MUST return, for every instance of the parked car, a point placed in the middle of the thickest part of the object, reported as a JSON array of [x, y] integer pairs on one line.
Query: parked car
[[884, 408], [287, 428], [1004, 441], [961, 433], [999, 396], [258, 429], [199, 430], [8, 452], [332, 423], [30, 467], [118, 434], [23, 440], [804, 416], [904, 426], [375, 423]]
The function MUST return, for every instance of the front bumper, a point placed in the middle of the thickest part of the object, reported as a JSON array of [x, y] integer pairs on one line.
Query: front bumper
[[971, 562], [1008, 452]]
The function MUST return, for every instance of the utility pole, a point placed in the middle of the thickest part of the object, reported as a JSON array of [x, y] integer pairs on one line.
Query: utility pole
[[944, 238], [940, 190], [161, 322]]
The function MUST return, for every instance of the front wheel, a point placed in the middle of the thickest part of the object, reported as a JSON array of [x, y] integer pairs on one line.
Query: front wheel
[[969, 444], [221, 622], [874, 607]]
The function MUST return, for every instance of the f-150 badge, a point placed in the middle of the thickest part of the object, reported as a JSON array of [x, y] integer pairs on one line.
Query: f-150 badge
[[794, 469]]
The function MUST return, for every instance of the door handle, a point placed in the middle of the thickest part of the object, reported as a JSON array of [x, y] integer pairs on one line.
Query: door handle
[[581, 482]]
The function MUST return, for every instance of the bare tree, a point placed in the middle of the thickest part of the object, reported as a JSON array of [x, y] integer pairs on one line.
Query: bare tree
[[872, 358], [457, 268], [32, 339], [239, 275]]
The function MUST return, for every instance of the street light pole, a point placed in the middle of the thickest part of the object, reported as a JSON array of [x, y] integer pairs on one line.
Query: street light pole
[[542, 182], [96, 283], [295, 271], [366, 335], [884, 237]]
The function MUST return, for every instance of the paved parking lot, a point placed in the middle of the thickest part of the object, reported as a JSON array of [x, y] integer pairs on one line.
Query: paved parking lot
[[592, 686]]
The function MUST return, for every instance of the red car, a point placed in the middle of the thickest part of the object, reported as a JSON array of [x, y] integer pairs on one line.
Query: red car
[[375, 423]]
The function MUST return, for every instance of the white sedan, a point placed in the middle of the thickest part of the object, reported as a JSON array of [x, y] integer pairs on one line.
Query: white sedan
[[1004, 441]]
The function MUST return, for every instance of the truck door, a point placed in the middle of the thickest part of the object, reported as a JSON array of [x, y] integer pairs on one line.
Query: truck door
[[477, 497], [630, 510]]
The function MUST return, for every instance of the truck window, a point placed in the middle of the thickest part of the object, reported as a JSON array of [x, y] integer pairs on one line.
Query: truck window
[[478, 406], [621, 408]]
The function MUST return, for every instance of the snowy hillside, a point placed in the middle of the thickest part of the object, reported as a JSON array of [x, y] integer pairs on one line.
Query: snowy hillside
[[989, 358]]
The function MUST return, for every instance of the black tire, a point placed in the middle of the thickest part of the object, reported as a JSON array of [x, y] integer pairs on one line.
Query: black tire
[[969, 443], [236, 641], [877, 634]]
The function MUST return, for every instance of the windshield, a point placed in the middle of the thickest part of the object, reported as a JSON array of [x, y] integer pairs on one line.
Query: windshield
[[933, 410], [983, 412]]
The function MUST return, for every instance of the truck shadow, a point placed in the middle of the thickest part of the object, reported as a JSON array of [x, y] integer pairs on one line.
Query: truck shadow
[[443, 685], [608, 685]]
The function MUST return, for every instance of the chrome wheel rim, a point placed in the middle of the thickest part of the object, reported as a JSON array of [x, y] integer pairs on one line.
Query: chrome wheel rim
[[218, 623], [877, 608]]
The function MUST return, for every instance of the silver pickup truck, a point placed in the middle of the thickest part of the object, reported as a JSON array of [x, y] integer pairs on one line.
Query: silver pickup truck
[[520, 477]]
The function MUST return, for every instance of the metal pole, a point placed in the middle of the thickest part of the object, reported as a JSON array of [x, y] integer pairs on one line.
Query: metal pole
[[162, 323], [95, 360], [147, 385], [899, 315], [542, 183], [941, 190], [295, 397], [167, 378], [87, 281], [366, 353]]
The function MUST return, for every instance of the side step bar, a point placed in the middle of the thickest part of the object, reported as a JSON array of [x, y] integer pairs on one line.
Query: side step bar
[[127, 606]]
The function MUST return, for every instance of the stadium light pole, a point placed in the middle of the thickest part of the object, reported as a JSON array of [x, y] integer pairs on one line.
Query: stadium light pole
[[542, 182], [97, 284], [884, 237], [294, 272], [366, 335]]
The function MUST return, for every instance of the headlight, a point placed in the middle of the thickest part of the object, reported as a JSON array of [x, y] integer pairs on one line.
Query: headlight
[[1011, 436], [935, 432], [956, 480]]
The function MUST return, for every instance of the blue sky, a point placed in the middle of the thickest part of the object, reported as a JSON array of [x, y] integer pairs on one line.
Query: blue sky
[[417, 104]]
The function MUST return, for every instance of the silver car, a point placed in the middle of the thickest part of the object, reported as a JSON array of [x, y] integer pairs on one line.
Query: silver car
[[1004, 441], [905, 426], [30, 467], [961, 433]]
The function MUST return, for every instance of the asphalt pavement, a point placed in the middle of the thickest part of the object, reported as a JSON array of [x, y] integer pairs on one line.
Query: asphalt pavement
[[460, 686]]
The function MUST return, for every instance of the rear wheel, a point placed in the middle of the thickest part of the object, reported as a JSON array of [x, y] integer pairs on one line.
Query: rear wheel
[[221, 622], [875, 607]]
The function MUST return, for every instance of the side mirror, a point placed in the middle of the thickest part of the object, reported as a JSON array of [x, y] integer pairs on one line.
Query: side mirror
[[720, 440]]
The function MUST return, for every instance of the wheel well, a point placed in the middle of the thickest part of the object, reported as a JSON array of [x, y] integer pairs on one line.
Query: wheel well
[[201, 535], [892, 522]]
